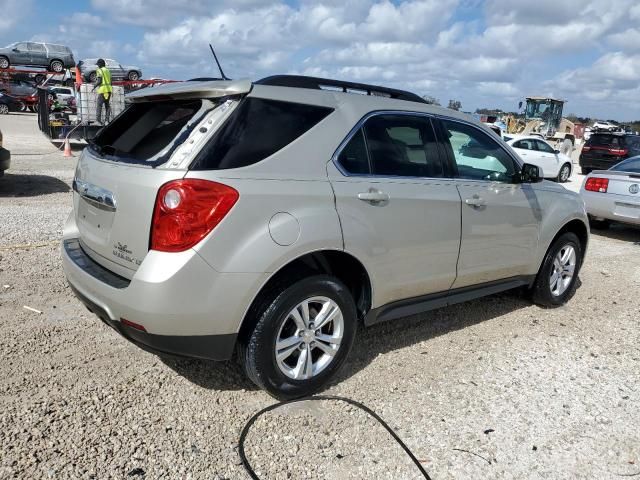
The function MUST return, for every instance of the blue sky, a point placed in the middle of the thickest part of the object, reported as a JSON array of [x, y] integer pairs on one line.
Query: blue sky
[[484, 53]]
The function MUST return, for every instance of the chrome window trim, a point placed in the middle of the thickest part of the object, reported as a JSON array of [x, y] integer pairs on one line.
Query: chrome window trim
[[361, 122]]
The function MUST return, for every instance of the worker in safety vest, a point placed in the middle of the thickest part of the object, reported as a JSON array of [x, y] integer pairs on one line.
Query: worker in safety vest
[[105, 90]]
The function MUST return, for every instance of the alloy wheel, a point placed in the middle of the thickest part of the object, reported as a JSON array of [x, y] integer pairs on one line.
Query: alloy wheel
[[564, 173], [4, 63], [57, 66], [564, 266], [309, 338], [4, 109]]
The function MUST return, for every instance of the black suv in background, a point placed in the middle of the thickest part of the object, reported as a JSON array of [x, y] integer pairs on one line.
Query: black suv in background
[[603, 150]]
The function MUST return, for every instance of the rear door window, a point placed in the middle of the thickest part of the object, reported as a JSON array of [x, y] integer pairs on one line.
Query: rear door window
[[354, 158], [146, 129], [257, 129], [403, 145]]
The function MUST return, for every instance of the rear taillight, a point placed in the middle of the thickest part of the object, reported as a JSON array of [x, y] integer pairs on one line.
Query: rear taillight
[[618, 151], [186, 211], [595, 184], [586, 148]]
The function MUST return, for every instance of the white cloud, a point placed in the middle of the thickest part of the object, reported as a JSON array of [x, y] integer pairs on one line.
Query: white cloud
[[11, 12]]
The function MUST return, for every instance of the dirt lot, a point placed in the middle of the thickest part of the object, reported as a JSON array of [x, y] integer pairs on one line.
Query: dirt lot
[[496, 388]]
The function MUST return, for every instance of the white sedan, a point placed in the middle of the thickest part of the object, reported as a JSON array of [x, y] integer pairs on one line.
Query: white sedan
[[613, 194], [554, 165]]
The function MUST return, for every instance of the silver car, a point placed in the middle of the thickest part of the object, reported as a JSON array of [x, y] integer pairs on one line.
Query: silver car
[[614, 194], [272, 219], [53, 57], [118, 71]]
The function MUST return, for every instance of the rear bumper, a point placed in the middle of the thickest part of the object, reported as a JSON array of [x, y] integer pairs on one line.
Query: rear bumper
[[209, 347], [186, 307], [608, 206], [598, 164]]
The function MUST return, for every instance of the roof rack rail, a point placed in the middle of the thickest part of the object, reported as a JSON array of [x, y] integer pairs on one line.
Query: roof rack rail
[[314, 83]]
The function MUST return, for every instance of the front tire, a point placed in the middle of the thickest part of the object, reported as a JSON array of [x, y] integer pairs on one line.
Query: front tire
[[302, 337], [4, 63], [4, 109], [133, 76], [92, 77], [564, 173], [555, 283]]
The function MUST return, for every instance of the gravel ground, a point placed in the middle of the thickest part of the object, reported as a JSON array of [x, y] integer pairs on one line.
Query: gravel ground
[[495, 388]]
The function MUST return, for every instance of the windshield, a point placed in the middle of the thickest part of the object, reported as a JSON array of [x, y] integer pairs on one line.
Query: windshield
[[631, 165], [11, 45], [542, 110]]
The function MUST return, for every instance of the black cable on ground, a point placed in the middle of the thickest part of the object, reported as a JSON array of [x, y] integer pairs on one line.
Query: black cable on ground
[[252, 420]]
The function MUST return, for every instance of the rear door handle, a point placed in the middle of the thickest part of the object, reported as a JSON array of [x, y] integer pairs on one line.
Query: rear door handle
[[373, 196], [476, 201]]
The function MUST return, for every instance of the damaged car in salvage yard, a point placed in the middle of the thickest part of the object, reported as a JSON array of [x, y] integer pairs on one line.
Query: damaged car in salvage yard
[[270, 220]]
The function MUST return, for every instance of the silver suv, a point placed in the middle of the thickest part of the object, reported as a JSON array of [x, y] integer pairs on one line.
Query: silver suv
[[272, 219]]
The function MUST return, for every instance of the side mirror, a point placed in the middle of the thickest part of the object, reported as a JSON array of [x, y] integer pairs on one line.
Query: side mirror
[[556, 151], [530, 174], [519, 105], [16, 50]]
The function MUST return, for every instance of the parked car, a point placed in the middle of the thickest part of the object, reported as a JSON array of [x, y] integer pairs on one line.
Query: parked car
[[118, 71], [9, 104], [5, 157], [602, 125], [17, 88], [65, 95], [271, 218], [36, 54], [554, 165], [603, 150], [614, 194]]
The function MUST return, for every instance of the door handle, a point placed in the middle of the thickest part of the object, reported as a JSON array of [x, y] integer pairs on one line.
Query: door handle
[[373, 196], [476, 201]]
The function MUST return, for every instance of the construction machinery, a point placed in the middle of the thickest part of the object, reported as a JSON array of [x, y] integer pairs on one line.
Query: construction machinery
[[543, 116]]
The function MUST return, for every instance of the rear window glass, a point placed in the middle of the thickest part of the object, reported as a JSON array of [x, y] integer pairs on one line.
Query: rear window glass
[[146, 129], [606, 140], [630, 165], [257, 129]]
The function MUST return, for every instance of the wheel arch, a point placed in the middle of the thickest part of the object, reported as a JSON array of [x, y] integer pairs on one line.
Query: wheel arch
[[576, 226], [338, 263]]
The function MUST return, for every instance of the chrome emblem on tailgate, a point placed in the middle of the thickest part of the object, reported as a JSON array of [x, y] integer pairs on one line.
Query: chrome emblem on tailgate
[[634, 188], [97, 196]]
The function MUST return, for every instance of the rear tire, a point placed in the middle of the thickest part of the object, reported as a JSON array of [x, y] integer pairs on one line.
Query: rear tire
[[92, 77], [56, 66], [4, 63], [553, 286], [282, 370], [4, 109], [564, 173], [133, 76]]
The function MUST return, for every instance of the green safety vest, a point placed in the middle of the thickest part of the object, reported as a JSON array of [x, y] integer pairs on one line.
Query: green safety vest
[[105, 86]]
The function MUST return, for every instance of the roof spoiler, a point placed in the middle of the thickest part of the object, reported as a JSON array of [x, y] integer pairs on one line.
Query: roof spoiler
[[191, 90]]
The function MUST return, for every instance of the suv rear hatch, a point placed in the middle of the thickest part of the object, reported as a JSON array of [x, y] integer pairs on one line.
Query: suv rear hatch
[[604, 150], [151, 143]]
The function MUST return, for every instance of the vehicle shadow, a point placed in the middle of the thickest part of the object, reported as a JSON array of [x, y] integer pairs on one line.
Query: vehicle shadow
[[619, 231], [370, 342], [20, 185], [209, 374], [386, 337]]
